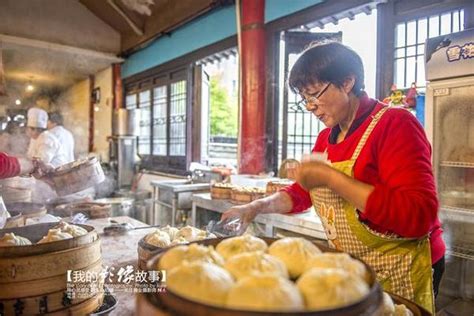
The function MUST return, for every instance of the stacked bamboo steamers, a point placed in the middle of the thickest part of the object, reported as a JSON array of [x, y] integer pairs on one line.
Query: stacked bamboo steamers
[[36, 263]]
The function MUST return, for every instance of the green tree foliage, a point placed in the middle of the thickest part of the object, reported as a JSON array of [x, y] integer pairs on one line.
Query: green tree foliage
[[223, 111]]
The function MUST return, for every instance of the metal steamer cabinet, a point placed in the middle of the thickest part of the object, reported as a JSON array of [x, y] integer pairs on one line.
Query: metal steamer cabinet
[[449, 121]]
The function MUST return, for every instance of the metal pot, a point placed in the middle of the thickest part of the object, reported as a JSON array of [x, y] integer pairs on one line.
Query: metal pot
[[125, 122], [142, 202], [120, 206]]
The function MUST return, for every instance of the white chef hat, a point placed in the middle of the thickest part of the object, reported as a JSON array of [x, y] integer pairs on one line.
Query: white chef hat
[[37, 118]]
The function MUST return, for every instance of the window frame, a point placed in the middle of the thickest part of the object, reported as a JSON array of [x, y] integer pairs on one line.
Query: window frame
[[180, 68], [394, 12]]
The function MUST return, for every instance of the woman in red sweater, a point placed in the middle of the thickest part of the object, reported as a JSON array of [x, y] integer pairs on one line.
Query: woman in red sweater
[[377, 196]]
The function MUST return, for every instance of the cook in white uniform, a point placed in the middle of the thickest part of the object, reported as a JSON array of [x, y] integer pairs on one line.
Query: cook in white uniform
[[55, 126], [43, 144]]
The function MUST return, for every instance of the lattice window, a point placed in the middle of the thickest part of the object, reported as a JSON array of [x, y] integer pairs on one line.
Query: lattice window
[[144, 105], [410, 37], [177, 119], [160, 119]]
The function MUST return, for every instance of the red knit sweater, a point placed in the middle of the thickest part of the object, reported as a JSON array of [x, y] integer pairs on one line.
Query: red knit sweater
[[9, 166], [396, 160]]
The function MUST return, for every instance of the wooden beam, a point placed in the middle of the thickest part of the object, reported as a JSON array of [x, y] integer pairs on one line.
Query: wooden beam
[[28, 42], [138, 31]]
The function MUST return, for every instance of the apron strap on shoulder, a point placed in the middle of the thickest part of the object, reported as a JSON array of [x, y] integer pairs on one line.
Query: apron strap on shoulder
[[368, 131]]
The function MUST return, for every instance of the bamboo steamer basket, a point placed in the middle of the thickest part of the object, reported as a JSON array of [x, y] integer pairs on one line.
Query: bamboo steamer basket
[[221, 193], [77, 176], [12, 194], [146, 252], [90, 209], [169, 302], [36, 275], [26, 210]]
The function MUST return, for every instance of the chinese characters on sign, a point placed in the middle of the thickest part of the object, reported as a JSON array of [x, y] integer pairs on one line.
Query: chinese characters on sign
[[457, 52], [84, 284]]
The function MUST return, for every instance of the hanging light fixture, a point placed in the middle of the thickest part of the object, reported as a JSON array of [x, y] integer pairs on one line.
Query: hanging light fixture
[[29, 86]]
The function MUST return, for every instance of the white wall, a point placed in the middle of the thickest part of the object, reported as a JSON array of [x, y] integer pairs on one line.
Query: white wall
[[103, 113]]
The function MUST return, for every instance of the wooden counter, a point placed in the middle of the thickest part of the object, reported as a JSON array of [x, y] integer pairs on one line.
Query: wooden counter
[[119, 251]]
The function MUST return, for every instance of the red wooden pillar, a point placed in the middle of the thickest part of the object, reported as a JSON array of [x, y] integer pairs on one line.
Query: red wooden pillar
[[252, 50]]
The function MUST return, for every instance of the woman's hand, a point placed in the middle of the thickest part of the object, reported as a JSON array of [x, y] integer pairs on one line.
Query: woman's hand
[[313, 174], [246, 212]]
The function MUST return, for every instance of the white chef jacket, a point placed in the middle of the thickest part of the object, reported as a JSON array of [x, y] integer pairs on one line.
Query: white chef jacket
[[66, 139], [48, 148]]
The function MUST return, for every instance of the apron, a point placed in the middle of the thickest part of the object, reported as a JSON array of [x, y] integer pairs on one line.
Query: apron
[[402, 265]]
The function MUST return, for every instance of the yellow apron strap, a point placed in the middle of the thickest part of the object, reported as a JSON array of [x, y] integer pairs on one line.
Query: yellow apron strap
[[367, 132]]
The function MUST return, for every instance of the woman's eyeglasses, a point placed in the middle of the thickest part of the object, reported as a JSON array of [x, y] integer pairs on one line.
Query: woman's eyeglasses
[[313, 99]]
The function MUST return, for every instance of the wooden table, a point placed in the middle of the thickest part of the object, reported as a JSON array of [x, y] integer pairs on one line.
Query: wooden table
[[119, 251]]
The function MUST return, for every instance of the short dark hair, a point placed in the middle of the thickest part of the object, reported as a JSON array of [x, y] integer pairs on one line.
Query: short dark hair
[[327, 62], [56, 117], [38, 129]]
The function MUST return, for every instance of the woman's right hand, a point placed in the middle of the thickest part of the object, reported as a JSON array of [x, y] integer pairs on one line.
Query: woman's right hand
[[246, 213]]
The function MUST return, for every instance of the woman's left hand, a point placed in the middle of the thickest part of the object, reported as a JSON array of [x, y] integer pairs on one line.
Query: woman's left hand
[[313, 174]]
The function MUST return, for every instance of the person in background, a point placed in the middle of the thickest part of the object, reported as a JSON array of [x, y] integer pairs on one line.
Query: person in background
[[55, 126], [43, 144], [14, 140], [375, 192]]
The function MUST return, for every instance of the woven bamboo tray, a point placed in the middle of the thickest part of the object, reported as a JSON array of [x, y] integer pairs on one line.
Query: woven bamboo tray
[[174, 304]]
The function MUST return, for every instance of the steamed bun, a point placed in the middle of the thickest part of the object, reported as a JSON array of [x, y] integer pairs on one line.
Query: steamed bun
[[232, 246], [10, 239], [179, 241], [171, 231], [158, 238], [265, 293], [73, 230], [257, 262], [331, 288], [194, 252], [402, 310], [200, 281], [388, 306], [189, 233], [54, 235], [295, 252], [337, 260]]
